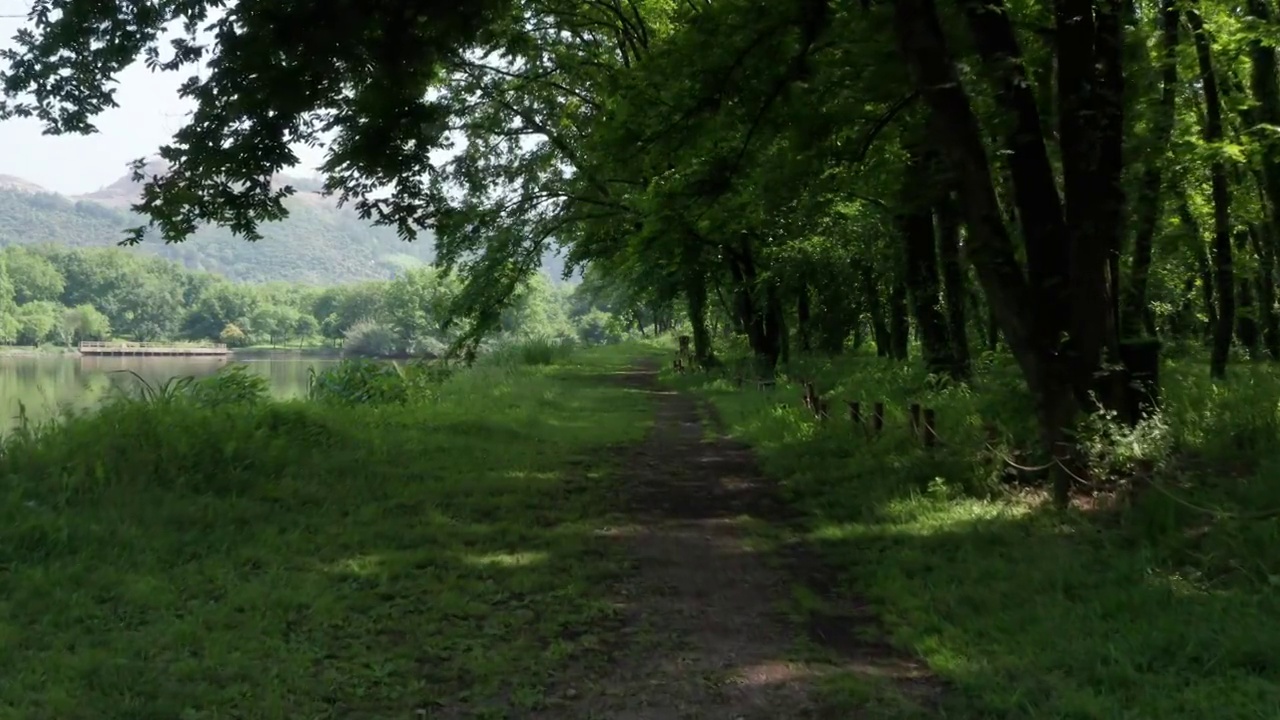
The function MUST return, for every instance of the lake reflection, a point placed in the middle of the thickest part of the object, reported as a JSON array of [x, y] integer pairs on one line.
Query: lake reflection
[[43, 384]]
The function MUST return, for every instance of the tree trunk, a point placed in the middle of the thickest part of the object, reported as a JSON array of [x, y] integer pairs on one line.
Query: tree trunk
[[1246, 312], [696, 296], [915, 222], [1019, 307], [803, 330], [899, 323], [954, 287], [1136, 315], [1224, 272], [879, 328]]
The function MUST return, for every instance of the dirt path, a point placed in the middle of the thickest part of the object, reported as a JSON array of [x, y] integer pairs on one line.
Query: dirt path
[[705, 636]]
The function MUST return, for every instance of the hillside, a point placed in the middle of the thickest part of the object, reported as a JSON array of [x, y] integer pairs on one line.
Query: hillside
[[319, 243]]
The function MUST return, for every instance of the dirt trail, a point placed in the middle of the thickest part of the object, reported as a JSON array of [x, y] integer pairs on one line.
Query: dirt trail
[[705, 634]]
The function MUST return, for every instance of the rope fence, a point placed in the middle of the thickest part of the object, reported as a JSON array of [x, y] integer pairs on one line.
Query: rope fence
[[923, 425]]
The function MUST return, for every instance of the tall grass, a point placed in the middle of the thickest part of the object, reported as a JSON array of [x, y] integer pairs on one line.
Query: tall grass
[[530, 352], [1146, 601], [195, 550]]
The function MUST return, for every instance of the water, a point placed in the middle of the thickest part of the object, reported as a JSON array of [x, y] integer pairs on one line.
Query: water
[[45, 383]]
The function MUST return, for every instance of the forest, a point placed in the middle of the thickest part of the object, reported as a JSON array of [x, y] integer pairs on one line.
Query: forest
[[53, 295], [935, 367]]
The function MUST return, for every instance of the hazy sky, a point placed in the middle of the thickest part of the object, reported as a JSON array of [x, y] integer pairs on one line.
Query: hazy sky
[[149, 113]]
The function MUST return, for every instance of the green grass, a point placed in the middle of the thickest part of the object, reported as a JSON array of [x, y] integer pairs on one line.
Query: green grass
[[297, 560], [1150, 611]]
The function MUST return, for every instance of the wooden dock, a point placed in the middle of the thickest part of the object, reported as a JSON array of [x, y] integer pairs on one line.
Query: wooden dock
[[147, 348]]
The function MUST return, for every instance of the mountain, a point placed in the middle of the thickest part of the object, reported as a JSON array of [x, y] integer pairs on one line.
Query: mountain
[[319, 243]]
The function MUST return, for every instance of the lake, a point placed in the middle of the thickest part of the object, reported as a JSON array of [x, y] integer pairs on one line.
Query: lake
[[45, 383]]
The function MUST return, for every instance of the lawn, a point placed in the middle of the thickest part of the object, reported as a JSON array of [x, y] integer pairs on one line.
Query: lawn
[[1157, 610], [295, 560]]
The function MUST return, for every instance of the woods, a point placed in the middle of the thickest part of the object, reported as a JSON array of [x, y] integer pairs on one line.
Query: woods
[[1095, 180], [988, 287]]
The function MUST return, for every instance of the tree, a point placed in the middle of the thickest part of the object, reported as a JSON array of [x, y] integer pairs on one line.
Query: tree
[[37, 321], [34, 277], [232, 336], [84, 322], [8, 308]]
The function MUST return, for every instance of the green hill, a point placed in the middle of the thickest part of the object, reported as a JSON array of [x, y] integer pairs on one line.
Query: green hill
[[319, 243]]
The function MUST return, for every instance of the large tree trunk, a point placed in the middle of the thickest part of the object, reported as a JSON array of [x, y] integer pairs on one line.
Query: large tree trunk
[[1024, 317], [1061, 318], [1224, 272], [1265, 83]]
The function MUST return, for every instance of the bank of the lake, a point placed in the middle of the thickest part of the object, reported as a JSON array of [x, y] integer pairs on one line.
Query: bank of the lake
[[41, 384], [303, 559]]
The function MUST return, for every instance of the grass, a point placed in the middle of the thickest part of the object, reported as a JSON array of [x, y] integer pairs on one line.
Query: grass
[[1157, 610], [171, 559]]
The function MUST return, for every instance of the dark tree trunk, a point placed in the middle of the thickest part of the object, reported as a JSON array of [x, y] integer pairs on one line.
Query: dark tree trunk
[[803, 330], [1246, 312], [695, 291], [1137, 315], [1265, 82], [954, 287], [1069, 286], [915, 222], [1224, 272], [1264, 247], [899, 323]]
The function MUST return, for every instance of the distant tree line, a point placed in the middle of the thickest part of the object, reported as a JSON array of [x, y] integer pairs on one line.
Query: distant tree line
[[60, 295]]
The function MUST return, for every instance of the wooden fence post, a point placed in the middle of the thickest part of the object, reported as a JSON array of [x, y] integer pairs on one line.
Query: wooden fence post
[[930, 428], [914, 409], [877, 417]]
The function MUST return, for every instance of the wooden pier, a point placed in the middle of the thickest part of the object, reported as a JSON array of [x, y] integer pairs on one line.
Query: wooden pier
[[147, 348]]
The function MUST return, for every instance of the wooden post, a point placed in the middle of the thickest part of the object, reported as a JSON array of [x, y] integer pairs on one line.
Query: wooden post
[[930, 431], [877, 417], [855, 413], [914, 409]]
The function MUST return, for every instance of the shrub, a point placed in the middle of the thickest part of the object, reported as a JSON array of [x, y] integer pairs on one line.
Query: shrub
[[599, 328], [371, 339], [354, 382]]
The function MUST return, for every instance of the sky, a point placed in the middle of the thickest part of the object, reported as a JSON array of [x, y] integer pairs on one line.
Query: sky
[[149, 112]]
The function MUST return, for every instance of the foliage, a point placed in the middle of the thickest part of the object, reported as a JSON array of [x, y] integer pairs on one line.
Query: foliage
[[232, 336], [232, 385], [598, 327], [365, 382], [372, 339]]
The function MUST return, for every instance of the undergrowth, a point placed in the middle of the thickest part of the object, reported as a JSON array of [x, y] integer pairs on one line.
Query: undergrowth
[[1144, 601], [408, 540]]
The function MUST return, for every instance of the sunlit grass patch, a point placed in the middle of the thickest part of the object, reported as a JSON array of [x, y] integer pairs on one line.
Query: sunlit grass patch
[[281, 560], [1151, 610]]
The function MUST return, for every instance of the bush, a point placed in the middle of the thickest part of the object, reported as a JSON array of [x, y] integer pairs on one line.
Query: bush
[[533, 352], [354, 382], [599, 328], [371, 339]]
